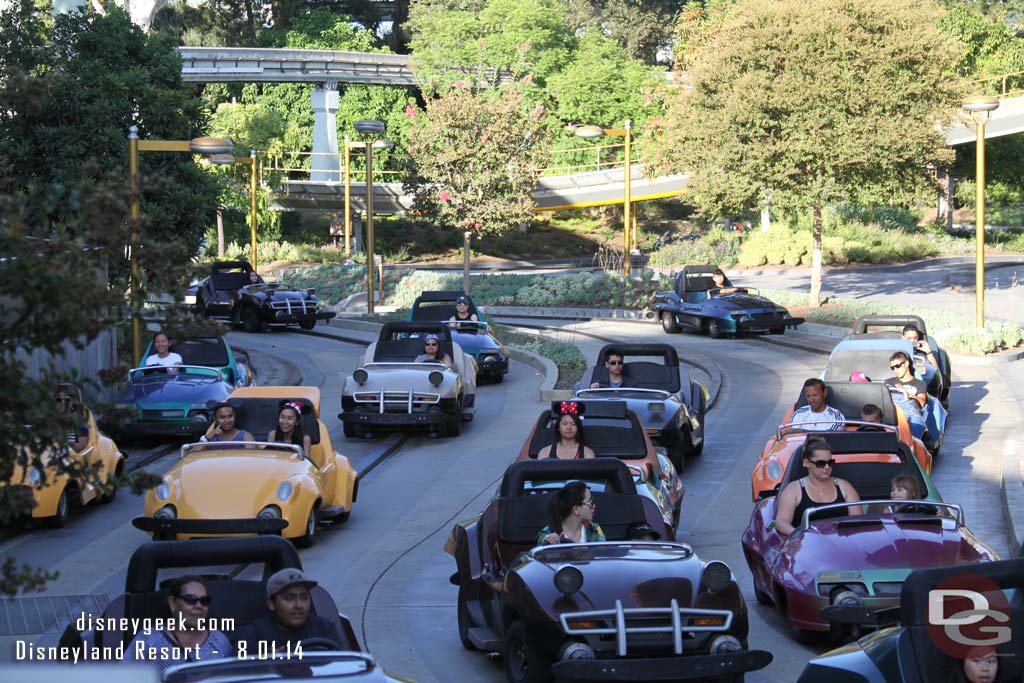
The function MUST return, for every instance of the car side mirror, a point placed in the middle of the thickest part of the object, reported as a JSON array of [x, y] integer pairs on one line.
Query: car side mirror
[[229, 376]]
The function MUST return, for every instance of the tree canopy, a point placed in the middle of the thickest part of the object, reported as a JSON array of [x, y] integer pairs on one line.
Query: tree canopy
[[818, 101]]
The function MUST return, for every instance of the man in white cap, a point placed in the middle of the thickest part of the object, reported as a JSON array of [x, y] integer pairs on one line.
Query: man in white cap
[[289, 621]]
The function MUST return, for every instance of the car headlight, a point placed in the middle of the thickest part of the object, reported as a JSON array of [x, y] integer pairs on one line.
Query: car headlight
[[360, 376], [284, 491], [723, 645], [163, 491], [716, 576], [568, 580], [655, 408], [436, 378], [739, 317], [166, 512], [270, 512], [190, 298], [35, 475], [774, 470]]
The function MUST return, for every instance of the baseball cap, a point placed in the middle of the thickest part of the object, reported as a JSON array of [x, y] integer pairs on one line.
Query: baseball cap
[[462, 299], [286, 578]]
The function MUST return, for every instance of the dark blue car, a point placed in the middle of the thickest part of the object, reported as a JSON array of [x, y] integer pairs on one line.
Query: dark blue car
[[697, 304], [475, 338]]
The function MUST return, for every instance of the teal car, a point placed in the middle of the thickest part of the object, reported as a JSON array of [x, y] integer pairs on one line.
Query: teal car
[[173, 402], [475, 337]]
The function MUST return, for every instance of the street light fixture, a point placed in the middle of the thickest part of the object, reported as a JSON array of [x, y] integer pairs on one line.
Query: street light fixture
[[369, 127], [205, 146], [227, 159], [980, 107], [627, 203]]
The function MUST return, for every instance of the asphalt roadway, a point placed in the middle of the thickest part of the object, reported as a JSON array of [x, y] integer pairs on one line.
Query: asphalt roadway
[[385, 567]]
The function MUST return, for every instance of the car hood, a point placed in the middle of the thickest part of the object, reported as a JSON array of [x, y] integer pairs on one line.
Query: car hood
[[174, 390], [279, 294], [746, 302], [882, 542], [474, 343], [402, 377], [251, 477]]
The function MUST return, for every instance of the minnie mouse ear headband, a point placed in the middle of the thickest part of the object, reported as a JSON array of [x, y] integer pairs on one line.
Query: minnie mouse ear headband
[[215, 405], [858, 376], [294, 405], [567, 408]]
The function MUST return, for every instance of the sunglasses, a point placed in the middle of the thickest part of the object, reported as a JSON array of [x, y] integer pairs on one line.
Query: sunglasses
[[63, 399], [191, 600], [822, 464], [431, 344], [897, 366], [615, 362], [589, 503]]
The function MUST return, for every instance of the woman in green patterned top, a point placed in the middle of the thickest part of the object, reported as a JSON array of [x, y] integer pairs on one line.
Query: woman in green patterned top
[[571, 511]]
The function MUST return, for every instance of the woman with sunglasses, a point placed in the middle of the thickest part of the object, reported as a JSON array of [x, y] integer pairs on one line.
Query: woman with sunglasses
[[568, 442], [189, 604], [462, 313], [818, 488], [432, 351], [571, 514]]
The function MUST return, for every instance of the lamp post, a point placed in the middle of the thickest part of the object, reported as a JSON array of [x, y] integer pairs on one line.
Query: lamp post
[[980, 107], [204, 146], [224, 159], [627, 203], [369, 127]]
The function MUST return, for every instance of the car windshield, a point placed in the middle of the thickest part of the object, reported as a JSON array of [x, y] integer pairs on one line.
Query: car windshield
[[627, 393], [615, 438], [310, 665], [873, 362], [647, 551], [210, 352]]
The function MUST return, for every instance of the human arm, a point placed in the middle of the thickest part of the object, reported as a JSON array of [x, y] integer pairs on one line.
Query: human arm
[[588, 452], [544, 452], [474, 318], [916, 391], [307, 444], [787, 502], [851, 496], [925, 349]]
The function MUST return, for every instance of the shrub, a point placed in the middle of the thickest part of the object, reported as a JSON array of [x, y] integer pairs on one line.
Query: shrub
[[567, 357], [718, 246], [842, 244]]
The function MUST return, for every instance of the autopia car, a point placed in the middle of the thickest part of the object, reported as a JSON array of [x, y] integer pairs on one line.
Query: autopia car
[[390, 389], [618, 610], [474, 337], [694, 304], [229, 294], [938, 380], [233, 487]]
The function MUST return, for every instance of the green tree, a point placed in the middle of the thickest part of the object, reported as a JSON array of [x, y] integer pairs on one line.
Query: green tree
[[477, 155], [642, 27], [823, 101]]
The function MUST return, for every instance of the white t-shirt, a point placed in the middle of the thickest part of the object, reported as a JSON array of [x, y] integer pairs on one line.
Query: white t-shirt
[[828, 420], [171, 359]]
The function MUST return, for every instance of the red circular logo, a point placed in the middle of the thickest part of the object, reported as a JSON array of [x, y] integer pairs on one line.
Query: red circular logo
[[967, 612]]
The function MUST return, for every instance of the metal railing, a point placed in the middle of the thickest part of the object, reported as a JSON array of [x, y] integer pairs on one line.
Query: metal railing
[[284, 164], [573, 160], [1003, 81]]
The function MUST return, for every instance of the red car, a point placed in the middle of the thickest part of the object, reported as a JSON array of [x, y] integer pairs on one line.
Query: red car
[[855, 561]]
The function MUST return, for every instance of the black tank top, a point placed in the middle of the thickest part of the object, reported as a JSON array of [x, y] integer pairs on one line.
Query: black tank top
[[806, 503], [554, 452]]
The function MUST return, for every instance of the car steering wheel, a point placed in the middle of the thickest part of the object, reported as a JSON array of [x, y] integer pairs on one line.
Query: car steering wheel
[[320, 644]]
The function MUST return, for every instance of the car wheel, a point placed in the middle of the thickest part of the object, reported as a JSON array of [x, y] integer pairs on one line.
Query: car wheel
[[306, 540], [453, 426], [713, 328], [762, 597], [250, 319], [677, 456], [349, 430], [668, 323], [524, 663], [307, 324], [781, 330], [464, 623], [499, 378], [63, 515]]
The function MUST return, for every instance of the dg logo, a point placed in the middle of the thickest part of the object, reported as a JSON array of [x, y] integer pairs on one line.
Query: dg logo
[[966, 612]]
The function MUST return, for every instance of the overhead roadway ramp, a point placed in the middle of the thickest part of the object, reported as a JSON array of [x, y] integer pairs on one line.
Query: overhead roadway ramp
[[1006, 120]]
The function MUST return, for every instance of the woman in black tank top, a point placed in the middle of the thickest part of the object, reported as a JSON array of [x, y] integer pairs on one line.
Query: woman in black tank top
[[568, 440], [795, 499]]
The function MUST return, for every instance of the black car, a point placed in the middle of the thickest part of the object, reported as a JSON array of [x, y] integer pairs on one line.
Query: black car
[[920, 649], [235, 293]]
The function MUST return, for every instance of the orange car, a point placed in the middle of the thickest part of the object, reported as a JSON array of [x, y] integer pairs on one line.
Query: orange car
[[614, 431], [848, 398]]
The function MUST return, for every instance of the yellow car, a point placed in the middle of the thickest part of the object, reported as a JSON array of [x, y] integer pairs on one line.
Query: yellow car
[[244, 487], [91, 468]]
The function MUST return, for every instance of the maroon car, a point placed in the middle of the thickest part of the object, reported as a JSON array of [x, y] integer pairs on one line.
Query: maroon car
[[648, 610], [831, 567]]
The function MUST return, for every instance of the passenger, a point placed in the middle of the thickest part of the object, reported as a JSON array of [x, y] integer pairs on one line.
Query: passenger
[[869, 412], [254, 278], [189, 604], [719, 279], [78, 437], [817, 415], [163, 356], [225, 429], [921, 346], [571, 514], [615, 362], [568, 443], [641, 531], [980, 665], [904, 379], [462, 313], [431, 349], [289, 621], [905, 487], [819, 487], [289, 427]]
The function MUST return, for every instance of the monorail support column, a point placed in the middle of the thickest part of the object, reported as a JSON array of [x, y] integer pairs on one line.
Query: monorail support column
[[325, 166]]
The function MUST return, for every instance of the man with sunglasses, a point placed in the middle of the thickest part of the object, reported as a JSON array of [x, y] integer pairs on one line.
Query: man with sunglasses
[[903, 379], [615, 362], [289, 621], [819, 487]]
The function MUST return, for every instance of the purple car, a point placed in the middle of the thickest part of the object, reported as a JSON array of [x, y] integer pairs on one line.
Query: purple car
[[840, 574]]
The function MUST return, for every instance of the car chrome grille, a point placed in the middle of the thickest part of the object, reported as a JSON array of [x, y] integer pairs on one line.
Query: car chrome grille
[[397, 401], [293, 306], [887, 589]]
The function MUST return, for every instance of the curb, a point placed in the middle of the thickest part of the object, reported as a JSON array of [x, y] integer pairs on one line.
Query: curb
[[1012, 494]]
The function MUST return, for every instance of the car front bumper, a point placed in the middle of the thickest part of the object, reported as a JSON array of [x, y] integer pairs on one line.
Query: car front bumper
[[170, 529], [285, 318], [396, 419], [675, 668], [143, 428], [767, 324]]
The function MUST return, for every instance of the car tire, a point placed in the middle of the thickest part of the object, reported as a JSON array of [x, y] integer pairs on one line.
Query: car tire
[[713, 328], [349, 430], [463, 622], [307, 324], [306, 540], [668, 323], [524, 663], [499, 378], [781, 330], [762, 597], [250, 319], [453, 425], [63, 515]]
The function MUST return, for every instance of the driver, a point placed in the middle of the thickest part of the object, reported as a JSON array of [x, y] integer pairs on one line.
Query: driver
[[78, 437], [615, 362], [921, 346], [432, 352], [819, 487], [254, 278], [571, 513], [289, 621], [163, 356], [903, 379], [462, 313], [719, 278]]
